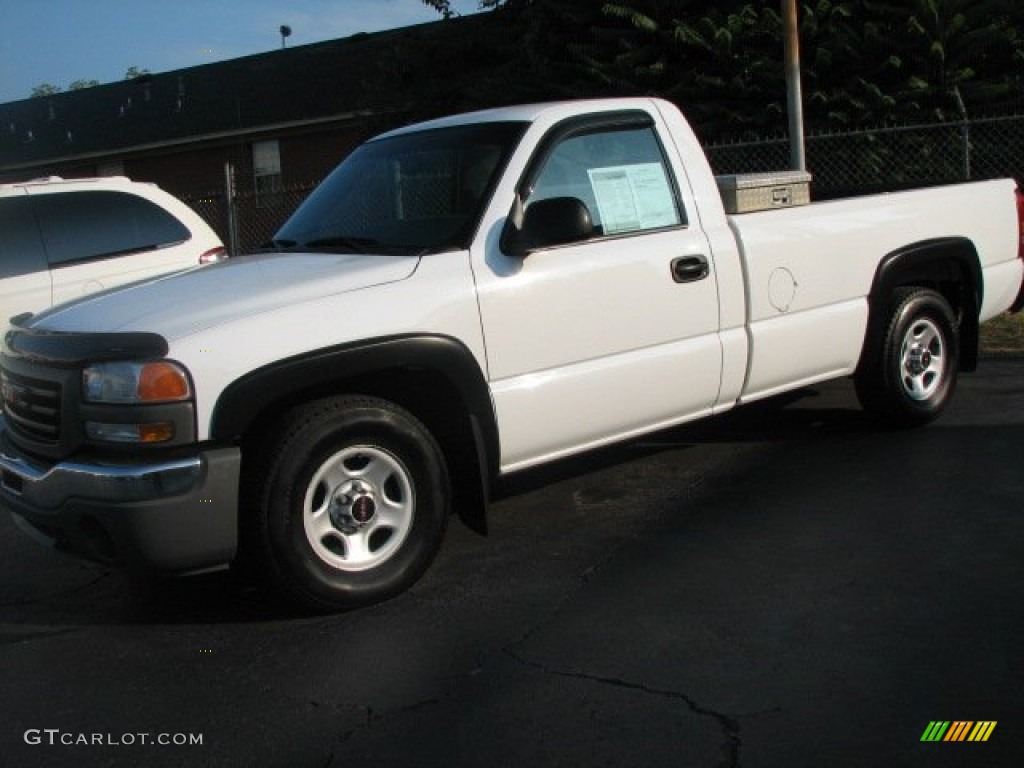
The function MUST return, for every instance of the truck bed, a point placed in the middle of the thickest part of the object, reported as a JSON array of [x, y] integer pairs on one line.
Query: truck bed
[[810, 320]]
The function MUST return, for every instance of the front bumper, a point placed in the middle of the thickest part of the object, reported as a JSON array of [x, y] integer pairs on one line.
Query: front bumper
[[169, 515]]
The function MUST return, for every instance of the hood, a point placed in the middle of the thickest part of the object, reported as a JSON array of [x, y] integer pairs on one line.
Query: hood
[[183, 303]]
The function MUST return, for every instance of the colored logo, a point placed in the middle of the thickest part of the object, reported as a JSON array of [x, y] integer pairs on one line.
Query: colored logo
[[958, 730]]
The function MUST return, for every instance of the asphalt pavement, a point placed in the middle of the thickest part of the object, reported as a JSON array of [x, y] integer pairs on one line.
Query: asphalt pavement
[[786, 585]]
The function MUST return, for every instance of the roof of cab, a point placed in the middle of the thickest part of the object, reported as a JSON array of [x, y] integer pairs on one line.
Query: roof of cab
[[528, 113]]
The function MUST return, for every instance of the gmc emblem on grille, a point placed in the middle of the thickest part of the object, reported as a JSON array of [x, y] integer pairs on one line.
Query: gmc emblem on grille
[[14, 395]]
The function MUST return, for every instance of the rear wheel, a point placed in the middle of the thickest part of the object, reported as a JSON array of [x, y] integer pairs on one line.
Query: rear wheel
[[348, 504], [912, 373]]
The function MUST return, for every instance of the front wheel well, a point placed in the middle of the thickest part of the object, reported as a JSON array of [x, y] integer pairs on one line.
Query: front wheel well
[[431, 398]]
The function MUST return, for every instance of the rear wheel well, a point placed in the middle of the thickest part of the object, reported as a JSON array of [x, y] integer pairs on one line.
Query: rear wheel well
[[962, 298], [914, 374], [949, 267]]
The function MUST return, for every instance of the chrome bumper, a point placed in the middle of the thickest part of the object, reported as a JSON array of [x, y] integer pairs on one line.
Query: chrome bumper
[[169, 515]]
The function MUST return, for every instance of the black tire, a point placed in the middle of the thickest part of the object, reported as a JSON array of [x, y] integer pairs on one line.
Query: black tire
[[348, 503], [910, 373]]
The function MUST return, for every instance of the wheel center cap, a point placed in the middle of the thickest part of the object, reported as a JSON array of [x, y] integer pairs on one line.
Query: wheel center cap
[[919, 361], [352, 507], [363, 509]]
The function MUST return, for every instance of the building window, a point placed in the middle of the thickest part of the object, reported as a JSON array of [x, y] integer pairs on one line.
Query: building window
[[110, 168], [266, 164]]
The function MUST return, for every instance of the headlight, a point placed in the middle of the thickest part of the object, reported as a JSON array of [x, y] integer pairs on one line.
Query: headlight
[[136, 383]]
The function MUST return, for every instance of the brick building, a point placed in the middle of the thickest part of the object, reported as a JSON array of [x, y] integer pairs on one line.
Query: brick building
[[279, 120]]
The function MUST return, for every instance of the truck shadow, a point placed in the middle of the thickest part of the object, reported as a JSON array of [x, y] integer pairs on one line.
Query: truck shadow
[[810, 413], [86, 595], [42, 590]]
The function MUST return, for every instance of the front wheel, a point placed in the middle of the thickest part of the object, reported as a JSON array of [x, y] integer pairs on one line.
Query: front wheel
[[910, 377], [349, 503]]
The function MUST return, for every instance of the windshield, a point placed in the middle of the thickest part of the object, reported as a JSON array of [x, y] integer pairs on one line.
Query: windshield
[[412, 193]]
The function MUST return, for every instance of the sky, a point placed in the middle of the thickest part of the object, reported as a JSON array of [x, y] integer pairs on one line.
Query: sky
[[60, 41]]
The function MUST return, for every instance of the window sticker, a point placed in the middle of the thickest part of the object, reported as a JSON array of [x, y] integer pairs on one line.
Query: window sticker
[[633, 197]]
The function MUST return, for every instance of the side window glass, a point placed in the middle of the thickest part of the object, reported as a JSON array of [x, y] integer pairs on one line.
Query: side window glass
[[78, 226], [21, 250], [620, 174]]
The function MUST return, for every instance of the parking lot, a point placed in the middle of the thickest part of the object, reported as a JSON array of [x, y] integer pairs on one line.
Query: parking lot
[[783, 586]]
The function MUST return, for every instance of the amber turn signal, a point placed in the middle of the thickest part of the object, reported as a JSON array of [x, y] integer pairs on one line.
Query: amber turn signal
[[160, 382]]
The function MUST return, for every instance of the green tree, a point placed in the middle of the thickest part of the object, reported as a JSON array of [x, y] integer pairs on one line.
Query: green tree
[[45, 89], [441, 6], [717, 60], [871, 62], [960, 51], [864, 62], [444, 7]]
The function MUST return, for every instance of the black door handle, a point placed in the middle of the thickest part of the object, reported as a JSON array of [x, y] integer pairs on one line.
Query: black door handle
[[689, 269]]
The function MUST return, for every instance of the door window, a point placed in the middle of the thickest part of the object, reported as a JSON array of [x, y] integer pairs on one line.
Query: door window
[[618, 172]]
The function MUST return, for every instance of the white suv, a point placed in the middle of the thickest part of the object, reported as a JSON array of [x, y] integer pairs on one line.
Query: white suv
[[60, 239]]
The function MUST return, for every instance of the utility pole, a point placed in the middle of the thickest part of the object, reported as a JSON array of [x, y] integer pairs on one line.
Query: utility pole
[[794, 97], [965, 132]]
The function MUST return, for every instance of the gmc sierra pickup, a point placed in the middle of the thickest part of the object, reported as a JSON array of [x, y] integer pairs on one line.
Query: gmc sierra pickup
[[462, 299]]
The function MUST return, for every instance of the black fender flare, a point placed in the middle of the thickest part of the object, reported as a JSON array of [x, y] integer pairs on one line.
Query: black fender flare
[[325, 370], [948, 260]]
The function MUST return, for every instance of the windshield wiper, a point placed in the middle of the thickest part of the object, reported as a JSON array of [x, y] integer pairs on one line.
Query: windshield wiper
[[364, 245], [354, 244], [276, 245]]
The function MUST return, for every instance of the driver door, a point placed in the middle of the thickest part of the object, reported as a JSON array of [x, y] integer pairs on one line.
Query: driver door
[[614, 335]]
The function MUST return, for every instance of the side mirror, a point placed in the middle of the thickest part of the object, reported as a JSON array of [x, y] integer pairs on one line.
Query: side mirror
[[554, 221]]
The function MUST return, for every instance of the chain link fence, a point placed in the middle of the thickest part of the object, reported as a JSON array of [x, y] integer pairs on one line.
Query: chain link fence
[[889, 158], [842, 164], [244, 217]]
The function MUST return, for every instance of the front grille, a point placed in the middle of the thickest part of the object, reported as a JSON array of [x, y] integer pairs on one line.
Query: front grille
[[32, 407]]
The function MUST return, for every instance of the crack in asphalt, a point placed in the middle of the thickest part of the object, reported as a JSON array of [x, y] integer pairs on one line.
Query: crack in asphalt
[[13, 638], [370, 719], [729, 724], [373, 717], [21, 602], [684, 495]]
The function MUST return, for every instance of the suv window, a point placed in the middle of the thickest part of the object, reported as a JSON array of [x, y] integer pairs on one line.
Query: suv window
[[78, 226], [21, 250], [620, 174]]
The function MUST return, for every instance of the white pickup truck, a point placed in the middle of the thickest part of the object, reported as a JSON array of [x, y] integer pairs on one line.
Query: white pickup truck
[[459, 300]]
